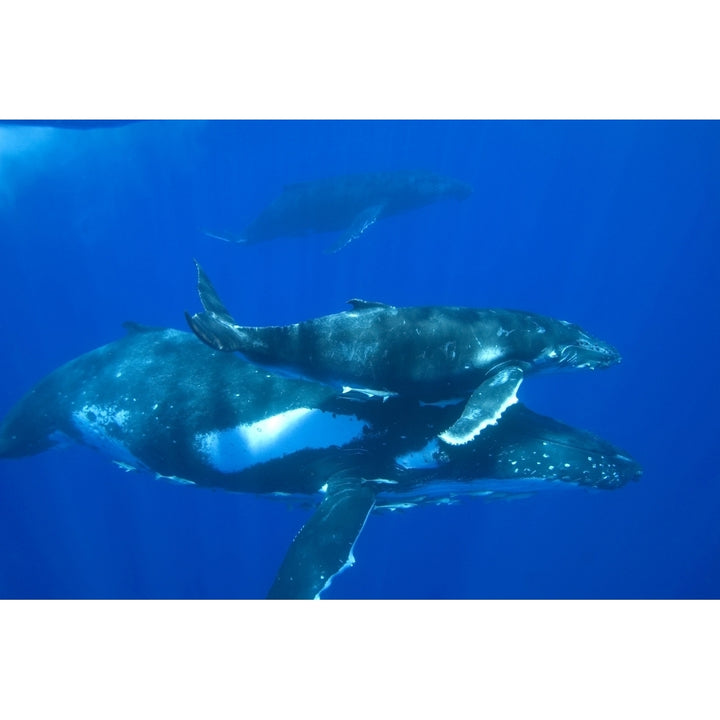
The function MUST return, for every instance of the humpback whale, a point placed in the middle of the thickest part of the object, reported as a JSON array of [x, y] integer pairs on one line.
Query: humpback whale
[[433, 354], [158, 400], [349, 204]]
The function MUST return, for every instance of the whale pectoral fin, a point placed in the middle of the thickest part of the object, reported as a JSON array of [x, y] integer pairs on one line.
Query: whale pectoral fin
[[485, 406], [359, 225], [323, 547], [227, 237], [215, 327]]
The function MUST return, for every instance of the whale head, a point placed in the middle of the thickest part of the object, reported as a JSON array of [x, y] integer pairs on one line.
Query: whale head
[[27, 430], [589, 352], [574, 348]]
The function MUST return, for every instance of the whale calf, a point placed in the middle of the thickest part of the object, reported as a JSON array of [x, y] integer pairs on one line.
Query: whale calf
[[160, 401], [349, 204], [433, 354]]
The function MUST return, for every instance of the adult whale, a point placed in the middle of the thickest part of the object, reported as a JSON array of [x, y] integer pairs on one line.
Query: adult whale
[[433, 354], [348, 203], [160, 401]]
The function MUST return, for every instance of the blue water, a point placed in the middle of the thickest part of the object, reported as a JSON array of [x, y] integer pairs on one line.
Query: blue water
[[612, 225]]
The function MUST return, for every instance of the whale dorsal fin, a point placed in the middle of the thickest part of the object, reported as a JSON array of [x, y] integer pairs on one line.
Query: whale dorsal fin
[[358, 304], [215, 327]]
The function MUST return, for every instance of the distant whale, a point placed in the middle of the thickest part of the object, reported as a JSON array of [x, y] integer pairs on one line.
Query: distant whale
[[433, 354], [160, 401], [349, 204]]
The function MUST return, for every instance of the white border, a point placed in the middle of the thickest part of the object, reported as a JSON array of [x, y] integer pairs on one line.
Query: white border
[[359, 659], [377, 59]]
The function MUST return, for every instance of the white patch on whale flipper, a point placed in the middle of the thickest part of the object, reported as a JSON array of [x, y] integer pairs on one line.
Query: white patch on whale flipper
[[485, 406], [237, 448]]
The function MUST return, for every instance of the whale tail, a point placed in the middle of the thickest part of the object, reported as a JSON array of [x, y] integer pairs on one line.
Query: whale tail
[[215, 327]]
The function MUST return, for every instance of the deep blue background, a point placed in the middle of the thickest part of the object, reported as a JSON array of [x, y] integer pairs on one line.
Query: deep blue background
[[613, 225]]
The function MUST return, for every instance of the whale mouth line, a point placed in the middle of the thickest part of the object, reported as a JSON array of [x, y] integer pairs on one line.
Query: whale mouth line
[[581, 357]]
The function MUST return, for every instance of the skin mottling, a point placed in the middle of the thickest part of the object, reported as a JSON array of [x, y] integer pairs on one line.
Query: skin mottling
[[100, 427]]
